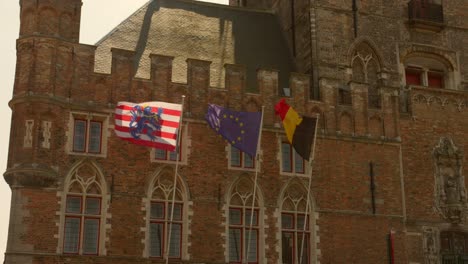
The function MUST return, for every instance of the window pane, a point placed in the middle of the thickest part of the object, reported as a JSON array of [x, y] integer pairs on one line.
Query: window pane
[[90, 236], [79, 136], [235, 157], [174, 246], [298, 163], [252, 252], [286, 157], [435, 80], [73, 205], [287, 248], [95, 137], [305, 248], [300, 223], [93, 206], [160, 154], [234, 245], [248, 161], [157, 210], [287, 221], [156, 239], [72, 235], [413, 77], [173, 155], [248, 216], [177, 212], [235, 217]]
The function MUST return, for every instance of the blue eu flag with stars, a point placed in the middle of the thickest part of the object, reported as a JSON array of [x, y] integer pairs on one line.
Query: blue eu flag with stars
[[240, 129]]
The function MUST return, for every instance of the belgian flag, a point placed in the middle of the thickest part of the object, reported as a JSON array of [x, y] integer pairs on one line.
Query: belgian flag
[[300, 131]]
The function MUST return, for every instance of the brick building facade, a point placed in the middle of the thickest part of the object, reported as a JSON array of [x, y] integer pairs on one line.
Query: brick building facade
[[389, 80]]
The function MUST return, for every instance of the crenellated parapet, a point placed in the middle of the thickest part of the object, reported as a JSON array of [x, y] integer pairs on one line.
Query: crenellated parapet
[[64, 73]]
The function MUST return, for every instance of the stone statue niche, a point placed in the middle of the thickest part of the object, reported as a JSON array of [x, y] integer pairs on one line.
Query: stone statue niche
[[450, 183]]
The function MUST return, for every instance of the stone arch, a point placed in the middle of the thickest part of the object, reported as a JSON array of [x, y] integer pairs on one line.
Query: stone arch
[[158, 203], [366, 63], [84, 184], [372, 45], [293, 203], [239, 198]]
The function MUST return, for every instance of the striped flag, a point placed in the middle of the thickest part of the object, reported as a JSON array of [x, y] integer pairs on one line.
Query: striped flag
[[151, 124], [300, 130]]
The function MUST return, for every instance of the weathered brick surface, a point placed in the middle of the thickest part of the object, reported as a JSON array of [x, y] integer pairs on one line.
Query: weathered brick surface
[[56, 76]]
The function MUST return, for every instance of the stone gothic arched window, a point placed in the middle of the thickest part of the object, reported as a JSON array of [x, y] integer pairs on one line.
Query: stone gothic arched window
[[244, 224], [167, 217], [296, 225], [366, 66], [84, 206]]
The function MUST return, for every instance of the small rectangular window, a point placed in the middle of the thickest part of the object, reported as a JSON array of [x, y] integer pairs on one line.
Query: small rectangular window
[[87, 135], [291, 162], [240, 159]]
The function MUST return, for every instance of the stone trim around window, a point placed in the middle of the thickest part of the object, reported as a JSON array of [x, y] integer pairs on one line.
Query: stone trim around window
[[88, 118]]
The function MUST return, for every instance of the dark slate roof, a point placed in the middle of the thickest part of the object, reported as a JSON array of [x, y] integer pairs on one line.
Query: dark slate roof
[[190, 29]]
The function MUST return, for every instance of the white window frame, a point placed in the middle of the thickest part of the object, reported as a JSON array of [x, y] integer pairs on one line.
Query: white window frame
[[88, 118]]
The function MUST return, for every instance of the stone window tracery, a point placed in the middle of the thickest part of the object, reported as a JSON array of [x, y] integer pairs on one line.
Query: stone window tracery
[[84, 207], [167, 228], [296, 235], [244, 238]]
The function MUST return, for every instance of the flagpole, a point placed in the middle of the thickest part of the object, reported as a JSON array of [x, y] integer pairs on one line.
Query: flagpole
[[175, 181], [311, 160], [257, 162]]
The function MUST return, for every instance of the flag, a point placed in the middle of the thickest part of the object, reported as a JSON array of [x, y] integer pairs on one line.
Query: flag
[[152, 124], [240, 129], [300, 131]]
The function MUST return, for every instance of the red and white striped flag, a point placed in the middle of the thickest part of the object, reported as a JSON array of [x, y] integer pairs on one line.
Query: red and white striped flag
[[152, 124]]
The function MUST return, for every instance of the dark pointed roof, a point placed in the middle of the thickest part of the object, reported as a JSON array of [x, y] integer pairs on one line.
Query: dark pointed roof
[[191, 29]]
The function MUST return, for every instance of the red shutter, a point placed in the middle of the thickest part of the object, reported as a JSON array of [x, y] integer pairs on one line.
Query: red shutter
[[413, 77], [435, 79]]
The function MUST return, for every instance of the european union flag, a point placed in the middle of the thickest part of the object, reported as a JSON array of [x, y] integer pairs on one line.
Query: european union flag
[[240, 129]]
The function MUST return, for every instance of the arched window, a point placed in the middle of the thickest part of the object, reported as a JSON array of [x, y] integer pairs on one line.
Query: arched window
[[244, 224], [167, 228], [84, 206], [296, 225], [366, 68]]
